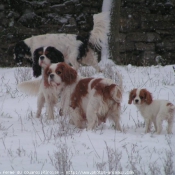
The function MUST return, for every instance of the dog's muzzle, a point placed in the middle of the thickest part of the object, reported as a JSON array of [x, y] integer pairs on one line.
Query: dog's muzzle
[[51, 76], [136, 101], [41, 57]]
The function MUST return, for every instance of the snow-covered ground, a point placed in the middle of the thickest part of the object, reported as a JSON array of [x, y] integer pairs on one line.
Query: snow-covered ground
[[30, 145]]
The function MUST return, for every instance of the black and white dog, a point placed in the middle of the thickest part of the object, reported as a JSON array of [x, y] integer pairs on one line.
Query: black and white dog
[[76, 50], [43, 57]]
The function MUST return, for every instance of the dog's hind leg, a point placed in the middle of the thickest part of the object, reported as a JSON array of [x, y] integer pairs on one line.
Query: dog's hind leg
[[155, 125], [40, 104], [170, 124], [92, 118], [92, 121], [114, 114], [159, 123], [77, 119]]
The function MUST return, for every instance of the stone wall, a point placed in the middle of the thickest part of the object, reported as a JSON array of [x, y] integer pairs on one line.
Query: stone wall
[[147, 32], [20, 19], [147, 27]]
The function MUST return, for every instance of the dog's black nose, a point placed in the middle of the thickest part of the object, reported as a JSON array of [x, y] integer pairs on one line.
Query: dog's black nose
[[41, 57], [136, 101], [51, 76]]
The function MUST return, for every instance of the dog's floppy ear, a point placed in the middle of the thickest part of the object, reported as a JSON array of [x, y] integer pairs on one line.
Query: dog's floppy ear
[[148, 97], [55, 55], [35, 66], [67, 73], [131, 94], [46, 75]]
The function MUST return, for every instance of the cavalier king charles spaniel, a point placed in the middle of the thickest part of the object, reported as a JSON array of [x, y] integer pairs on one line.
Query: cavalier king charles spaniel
[[76, 49], [153, 110], [43, 57], [88, 101]]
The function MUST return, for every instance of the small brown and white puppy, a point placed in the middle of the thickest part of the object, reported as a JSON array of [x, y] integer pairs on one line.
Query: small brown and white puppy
[[85, 100], [153, 110]]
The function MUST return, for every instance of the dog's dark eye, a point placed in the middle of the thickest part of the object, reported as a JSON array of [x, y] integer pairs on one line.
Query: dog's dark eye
[[40, 53], [48, 73], [58, 72], [133, 96], [141, 97], [48, 55]]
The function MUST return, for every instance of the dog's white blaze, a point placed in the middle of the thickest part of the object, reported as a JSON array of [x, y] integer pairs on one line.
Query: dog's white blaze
[[137, 97], [45, 49]]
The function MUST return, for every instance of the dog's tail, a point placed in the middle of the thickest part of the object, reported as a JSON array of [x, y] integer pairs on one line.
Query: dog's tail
[[115, 91], [100, 30], [30, 87]]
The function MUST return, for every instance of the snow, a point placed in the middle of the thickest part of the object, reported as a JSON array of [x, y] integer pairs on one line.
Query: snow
[[31, 144]]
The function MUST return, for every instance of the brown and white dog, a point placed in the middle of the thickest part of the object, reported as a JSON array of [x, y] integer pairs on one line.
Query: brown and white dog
[[153, 110], [85, 100], [43, 57]]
